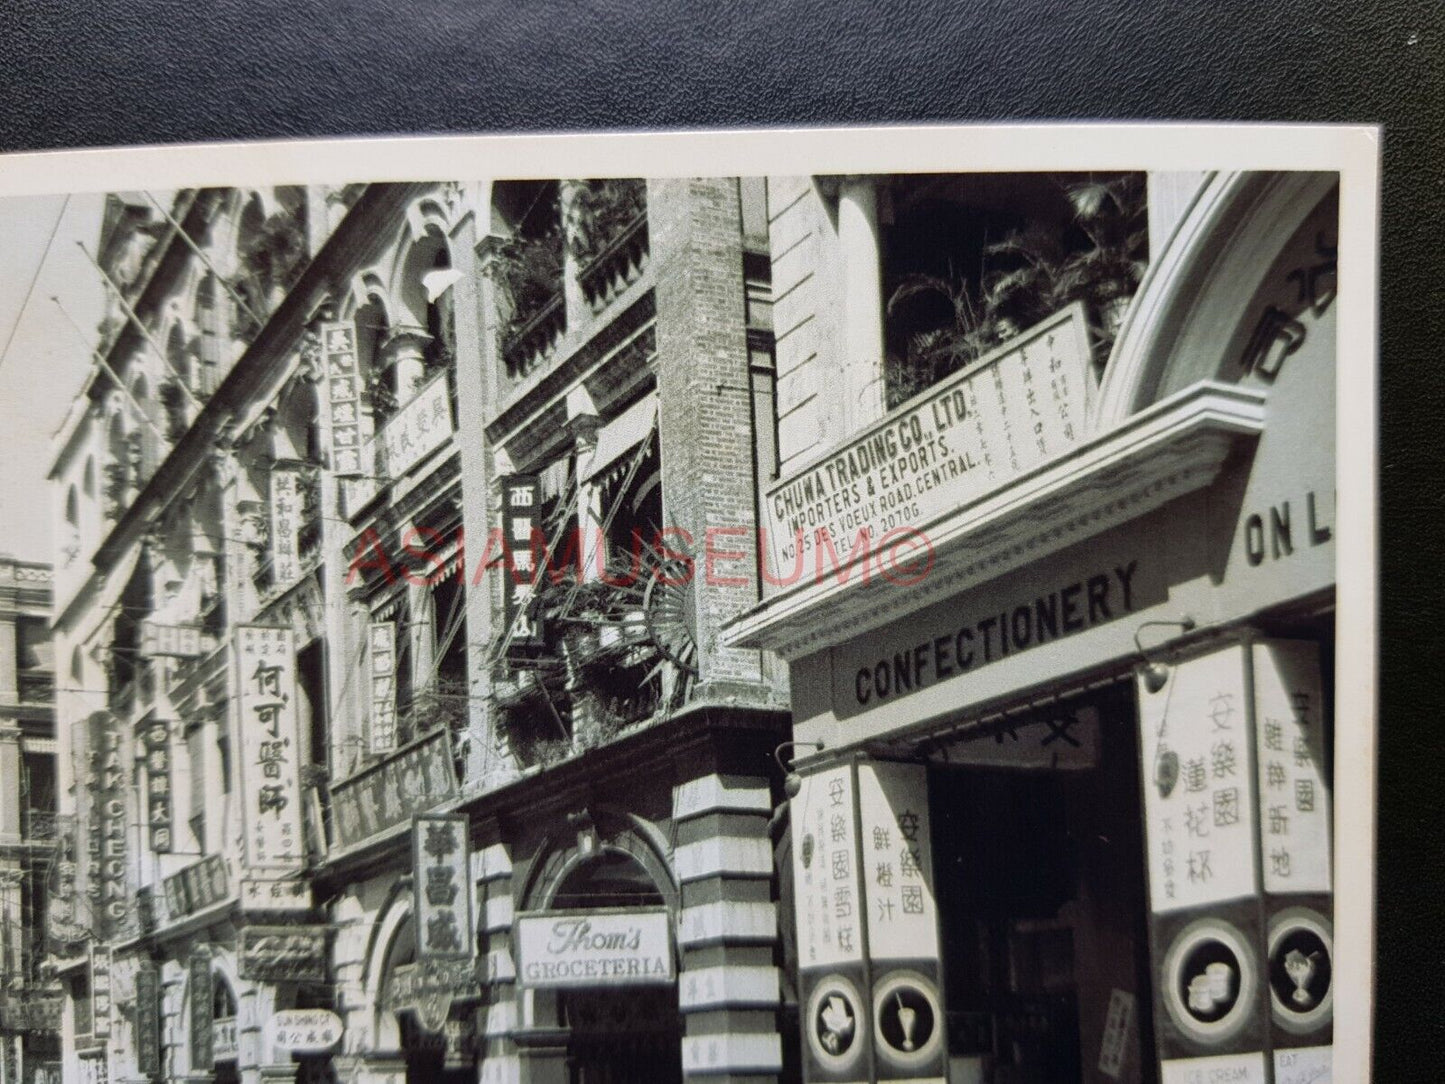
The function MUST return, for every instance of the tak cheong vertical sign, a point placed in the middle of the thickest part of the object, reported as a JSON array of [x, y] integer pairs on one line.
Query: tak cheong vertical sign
[[441, 861], [270, 782], [107, 788]]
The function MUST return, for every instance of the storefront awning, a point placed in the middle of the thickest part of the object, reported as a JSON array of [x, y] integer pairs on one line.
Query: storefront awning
[[620, 436], [1175, 447]]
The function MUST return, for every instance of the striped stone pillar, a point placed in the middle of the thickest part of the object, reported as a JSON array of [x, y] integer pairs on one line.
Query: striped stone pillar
[[728, 987], [497, 1015]]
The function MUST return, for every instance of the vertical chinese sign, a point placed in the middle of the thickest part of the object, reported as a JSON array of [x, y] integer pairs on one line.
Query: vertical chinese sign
[[897, 870], [1294, 829], [521, 517], [270, 783], [343, 396], [99, 991], [1196, 763], [828, 906], [285, 519], [147, 1020], [381, 651], [159, 807], [442, 901], [201, 995]]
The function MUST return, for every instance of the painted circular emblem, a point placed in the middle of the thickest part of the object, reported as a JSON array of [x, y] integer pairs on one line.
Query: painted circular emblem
[[1209, 981], [833, 1014], [1301, 969], [906, 1019]]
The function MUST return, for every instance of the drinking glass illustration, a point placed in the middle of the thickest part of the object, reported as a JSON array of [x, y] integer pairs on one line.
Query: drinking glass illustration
[[1301, 970], [907, 1020]]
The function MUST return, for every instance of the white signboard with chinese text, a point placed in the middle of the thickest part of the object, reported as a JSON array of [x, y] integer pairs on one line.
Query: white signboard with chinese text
[[159, 805], [955, 443], [595, 948], [897, 862], [100, 991], [442, 894], [270, 782], [1294, 796], [343, 396], [827, 897], [303, 1031], [1118, 1028], [418, 429], [287, 895], [285, 521], [381, 652], [177, 641], [1196, 758]]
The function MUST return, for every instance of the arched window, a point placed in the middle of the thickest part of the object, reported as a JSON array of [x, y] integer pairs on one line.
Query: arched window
[[612, 878], [372, 327], [88, 481]]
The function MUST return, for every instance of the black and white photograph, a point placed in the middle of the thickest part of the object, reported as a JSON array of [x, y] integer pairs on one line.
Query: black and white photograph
[[800, 607]]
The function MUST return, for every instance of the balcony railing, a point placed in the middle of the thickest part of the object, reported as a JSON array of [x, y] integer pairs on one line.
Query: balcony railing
[[617, 266], [36, 687], [536, 341]]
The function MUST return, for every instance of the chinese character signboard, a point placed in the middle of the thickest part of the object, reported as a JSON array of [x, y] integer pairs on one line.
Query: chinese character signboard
[[382, 657], [285, 521], [200, 994], [896, 861], [442, 893], [173, 641], [198, 886], [961, 439], [1197, 773], [100, 991], [289, 895], [828, 903], [270, 785], [413, 780], [343, 396], [603, 948], [282, 953], [159, 808], [303, 1031], [428, 988], [521, 517], [62, 912], [147, 1019], [418, 429]]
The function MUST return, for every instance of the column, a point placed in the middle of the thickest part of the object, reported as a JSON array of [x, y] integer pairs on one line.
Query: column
[[1169, 195], [576, 303], [404, 353], [864, 390], [10, 781], [728, 989], [499, 1062]]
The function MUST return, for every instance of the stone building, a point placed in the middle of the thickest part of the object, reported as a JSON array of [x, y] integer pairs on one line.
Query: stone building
[[29, 1000]]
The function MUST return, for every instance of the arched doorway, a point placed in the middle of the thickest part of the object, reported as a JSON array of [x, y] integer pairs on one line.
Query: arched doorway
[[428, 1059], [617, 1035], [225, 1040]]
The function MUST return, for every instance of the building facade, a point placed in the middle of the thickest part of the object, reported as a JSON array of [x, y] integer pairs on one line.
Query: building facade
[[29, 998], [397, 735], [1062, 687]]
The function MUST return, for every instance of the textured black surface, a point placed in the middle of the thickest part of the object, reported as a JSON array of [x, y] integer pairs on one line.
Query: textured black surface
[[96, 72]]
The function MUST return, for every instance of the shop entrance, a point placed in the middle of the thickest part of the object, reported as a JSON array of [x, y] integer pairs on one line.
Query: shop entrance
[[618, 1034], [1038, 863]]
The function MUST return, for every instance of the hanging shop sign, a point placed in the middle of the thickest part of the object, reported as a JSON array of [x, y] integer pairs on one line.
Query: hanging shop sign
[[1196, 755], [288, 895], [100, 991], [963, 438], [1293, 784], [285, 520], [622, 947], [381, 649], [343, 396], [147, 1019], [427, 989], [282, 953], [1059, 738], [200, 992], [303, 1031], [521, 518], [416, 430], [415, 779], [156, 738], [828, 906], [174, 641], [270, 784], [441, 889], [198, 886], [108, 779], [896, 861], [62, 925]]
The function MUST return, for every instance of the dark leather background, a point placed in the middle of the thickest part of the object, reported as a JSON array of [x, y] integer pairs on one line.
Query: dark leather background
[[96, 72]]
